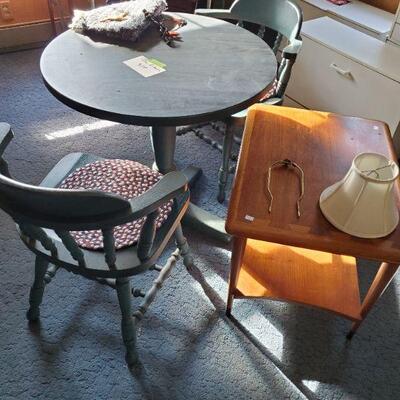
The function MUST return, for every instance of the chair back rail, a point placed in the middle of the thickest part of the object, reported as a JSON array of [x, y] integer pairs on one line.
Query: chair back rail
[[283, 16], [273, 21]]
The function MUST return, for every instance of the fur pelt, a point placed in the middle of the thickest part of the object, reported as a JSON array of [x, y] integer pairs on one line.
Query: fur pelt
[[125, 21]]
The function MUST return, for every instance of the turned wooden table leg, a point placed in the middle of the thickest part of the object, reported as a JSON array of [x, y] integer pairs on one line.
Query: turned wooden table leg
[[381, 281], [238, 247]]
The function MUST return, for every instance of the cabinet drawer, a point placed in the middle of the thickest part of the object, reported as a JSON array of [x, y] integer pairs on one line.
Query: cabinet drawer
[[325, 80]]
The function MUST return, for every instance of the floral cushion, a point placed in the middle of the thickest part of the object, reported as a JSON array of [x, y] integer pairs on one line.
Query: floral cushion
[[126, 178], [125, 21]]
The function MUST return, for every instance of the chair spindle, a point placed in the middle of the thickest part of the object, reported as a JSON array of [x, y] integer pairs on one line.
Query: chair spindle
[[109, 248], [277, 43], [36, 233], [261, 31], [72, 247], [284, 75], [147, 235]]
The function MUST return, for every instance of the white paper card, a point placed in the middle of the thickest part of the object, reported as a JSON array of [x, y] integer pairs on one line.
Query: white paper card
[[144, 66]]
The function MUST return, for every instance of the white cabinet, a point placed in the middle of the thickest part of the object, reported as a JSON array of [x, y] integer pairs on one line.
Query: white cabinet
[[395, 34], [395, 37], [345, 71], [356, 14]]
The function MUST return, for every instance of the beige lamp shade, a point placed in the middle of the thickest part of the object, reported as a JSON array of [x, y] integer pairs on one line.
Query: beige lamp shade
[[363, 203]]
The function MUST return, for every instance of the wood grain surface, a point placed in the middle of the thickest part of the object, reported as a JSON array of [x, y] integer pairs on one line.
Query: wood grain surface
[[324, 145], [310, 277]]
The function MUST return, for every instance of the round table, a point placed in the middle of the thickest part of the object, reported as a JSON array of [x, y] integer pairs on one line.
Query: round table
[[217, 70]]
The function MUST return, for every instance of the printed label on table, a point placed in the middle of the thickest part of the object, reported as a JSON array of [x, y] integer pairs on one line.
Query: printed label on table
[[146, 67]]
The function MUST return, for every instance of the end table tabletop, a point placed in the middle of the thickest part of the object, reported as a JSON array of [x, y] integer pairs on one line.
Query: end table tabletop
[[324, 145]]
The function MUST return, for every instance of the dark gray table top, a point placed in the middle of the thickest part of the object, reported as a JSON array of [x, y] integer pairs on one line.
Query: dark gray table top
[[217, 70]]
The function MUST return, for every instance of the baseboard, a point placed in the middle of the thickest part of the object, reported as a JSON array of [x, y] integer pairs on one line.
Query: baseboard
[[27, 36]]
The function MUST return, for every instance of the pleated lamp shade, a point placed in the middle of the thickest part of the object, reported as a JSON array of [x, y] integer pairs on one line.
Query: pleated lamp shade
[[363, 203]]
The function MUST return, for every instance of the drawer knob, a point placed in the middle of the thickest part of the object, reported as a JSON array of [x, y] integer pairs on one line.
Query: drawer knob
[[344, 72]]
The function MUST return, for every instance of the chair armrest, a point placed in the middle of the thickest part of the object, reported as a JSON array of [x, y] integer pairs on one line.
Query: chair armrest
[[292, 49], [168, 187], [215, 13], [6, 136]]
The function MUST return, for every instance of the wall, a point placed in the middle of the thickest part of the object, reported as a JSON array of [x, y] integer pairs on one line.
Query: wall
[[387, 5], [36, 11]]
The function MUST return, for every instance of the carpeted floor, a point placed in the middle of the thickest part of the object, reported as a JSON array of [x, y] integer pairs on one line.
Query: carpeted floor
[[188, 348]]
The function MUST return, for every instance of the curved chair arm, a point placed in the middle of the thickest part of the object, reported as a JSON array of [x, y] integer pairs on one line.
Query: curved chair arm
[[168, 187], [215, 13], [292, 49], [6, 136]]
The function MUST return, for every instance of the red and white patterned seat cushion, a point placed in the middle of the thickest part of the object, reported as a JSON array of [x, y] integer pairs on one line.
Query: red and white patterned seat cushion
[[126, 178]]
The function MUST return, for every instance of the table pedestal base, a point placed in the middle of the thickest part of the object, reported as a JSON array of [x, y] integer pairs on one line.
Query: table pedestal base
[[163, 140]]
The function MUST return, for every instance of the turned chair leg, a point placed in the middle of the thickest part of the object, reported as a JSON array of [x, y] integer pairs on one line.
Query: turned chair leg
[[224, 169], [37, 289], [183, 247], [128, 326]]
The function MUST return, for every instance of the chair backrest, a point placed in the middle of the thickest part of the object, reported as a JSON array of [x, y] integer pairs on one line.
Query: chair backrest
[[34, 208], [272, 20], [282, 16], [55, 208]]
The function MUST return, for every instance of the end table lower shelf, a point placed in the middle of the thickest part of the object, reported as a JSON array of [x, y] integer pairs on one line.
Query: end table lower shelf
[[324, 280]]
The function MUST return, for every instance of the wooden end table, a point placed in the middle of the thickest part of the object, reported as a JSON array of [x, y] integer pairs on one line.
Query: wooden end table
[[304, 260]]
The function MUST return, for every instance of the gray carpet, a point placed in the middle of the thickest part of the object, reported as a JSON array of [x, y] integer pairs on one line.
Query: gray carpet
[[188, 348]]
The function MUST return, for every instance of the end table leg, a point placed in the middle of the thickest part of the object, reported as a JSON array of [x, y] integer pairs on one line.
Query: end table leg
[[381, 281], [238, 247]]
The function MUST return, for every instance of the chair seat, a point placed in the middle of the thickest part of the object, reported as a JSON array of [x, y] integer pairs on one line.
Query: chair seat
[[126, 178], [127, 260]]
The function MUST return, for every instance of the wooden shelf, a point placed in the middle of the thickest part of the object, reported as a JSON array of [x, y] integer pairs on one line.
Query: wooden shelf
[[310, 277]]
